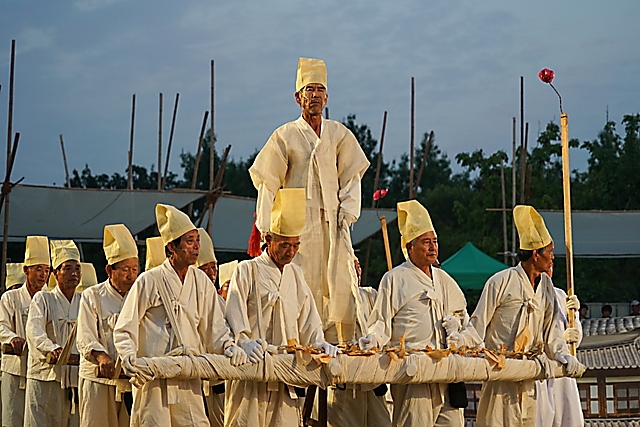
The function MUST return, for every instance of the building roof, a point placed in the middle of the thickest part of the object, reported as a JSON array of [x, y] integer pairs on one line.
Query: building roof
[[622, 354], [612, 422]]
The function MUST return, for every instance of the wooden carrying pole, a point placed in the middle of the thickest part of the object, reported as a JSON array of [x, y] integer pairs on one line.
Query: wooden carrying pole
[[385, 238], [568, 234]]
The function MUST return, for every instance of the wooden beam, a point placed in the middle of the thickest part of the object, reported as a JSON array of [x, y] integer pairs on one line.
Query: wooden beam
[[173, 125], [196, 165], [3, 268], [160, 143]]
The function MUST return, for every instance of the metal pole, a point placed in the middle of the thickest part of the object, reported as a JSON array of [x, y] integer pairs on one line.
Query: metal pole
[[173, 124], [413, 96], [160, 143], [64, 160], [133, 118]]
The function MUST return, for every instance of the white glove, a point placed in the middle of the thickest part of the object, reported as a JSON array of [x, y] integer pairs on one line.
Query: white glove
[[237, 355], [571, 335], [368, 342], [572, 364], [330, 350], [129, 365], [255, 350], [347, 218], [573, 303], [451, 324], [454, 338]]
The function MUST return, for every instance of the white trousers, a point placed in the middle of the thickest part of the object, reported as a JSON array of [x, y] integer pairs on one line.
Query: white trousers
[[364, 410], [13, 400], [48, 405], [98, 405], [416, 405]]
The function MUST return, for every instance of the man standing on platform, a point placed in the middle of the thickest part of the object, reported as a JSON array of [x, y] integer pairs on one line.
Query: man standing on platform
[[172, 310], [270, 305], [518, 308], [14, 310], [101, 396], [424, 305], [323, 157], [52, 385]]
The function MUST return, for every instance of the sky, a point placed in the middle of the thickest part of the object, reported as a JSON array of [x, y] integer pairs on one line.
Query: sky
[[78, 63]]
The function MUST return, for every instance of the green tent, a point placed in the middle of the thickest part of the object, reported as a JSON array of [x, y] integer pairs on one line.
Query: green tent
[[471, 267]]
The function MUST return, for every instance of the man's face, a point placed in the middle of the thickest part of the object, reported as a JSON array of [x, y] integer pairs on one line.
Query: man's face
[[37, 275], [282, 249], [122, 274], [186, 252], [424, 251], [211, 270], [69, 275], [224, 290], [543, 262], [312, 99]]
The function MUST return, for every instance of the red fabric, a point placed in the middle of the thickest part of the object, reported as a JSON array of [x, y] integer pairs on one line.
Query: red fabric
[[254, 241], [546, 75]]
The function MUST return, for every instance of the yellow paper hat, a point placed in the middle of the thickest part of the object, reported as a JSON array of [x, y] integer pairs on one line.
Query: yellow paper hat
[[37, 251], [225, 271], [311, 71], [89, 277], [207, 253], [413, 221], [172, 222], [63, 250], [15, 274], [532, 231], [289, 211], [155, 253], [118, 244]]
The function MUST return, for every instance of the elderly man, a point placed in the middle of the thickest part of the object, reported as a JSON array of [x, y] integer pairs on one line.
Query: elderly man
[[207, 261], [171, 309], [424, 305], [52, 393], [518, 308], [271, 282], [14, 309], [101, 396], [323, 157]]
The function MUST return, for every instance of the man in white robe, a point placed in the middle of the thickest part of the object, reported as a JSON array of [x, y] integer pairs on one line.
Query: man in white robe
[[277, 286], [323, 157], [518, 309], [171, 310], [101, 396], [424, 305], [558, 398], [52, 389], [14, 310]]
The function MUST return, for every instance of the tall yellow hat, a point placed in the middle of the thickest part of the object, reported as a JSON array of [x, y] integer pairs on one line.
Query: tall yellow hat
[[118, 244], [413, 221], [532, 231], [15, 274], [289, 211], [311, 71], [89, 277], [207, 253], [225, 271], [37, 251], [172, 222], [155, 253], [63, 250]]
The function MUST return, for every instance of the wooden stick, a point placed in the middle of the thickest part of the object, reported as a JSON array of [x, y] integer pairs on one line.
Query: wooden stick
[[413, 97], [173, 124], [523, 166], [3, 268], [212, 138], [505, 246], [194, 178], [10, 111], [133, 118], [513, 192], [217, 186], [160, 143], [385, 238], [568, 234], [326, 113], [64, 160], [527, 191], [523, 155], [424, 161]]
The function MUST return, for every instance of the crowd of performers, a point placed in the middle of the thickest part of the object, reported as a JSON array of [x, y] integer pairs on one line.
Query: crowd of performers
[[299, 288]]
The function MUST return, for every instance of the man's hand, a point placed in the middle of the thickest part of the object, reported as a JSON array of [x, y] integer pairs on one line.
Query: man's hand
[[451, 324], [573, 303], [346, 218], [254, 350], [129, 365], [18, 344], [55, 354], [572, 364], [454, 338], [571, 335], [330, 350], [238, 355], [106, 364], [369, 342]]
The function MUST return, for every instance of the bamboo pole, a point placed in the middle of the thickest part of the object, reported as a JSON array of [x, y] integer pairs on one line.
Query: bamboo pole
[[212, 138], [196, 166], [160, 142], [130, 169], [385, 238], [505, 246], [523, 166], [4, 200], [173, 125], [513, 192], [424, 161], [528, 186], [413, 97], [3, 268], [568, 233], [64, 160]]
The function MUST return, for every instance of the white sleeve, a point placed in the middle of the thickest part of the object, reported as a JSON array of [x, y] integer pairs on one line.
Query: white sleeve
[[264, 205], [7, 312], [87, 334], [36, 328]]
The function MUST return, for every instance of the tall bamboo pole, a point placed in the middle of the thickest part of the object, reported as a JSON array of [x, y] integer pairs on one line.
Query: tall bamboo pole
[[568, 233], [513, 192], [523, 166], [196, 166], [505, 246], [173, 125], [160, 142], [413, 97], [3, 268], [212, 147], [64, 160], [424, 161], [130, 169]]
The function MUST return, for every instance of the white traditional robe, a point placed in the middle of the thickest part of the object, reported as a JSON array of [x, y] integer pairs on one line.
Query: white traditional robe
[[558, 398], [14, 310], [412, 305], [288, 312], [358, 405], [51, 320], [330, 169], [143, 329], [509, 303], [214, 401], [101, 397]]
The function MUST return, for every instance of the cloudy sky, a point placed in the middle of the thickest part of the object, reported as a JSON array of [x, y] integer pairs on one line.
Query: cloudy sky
[[79, 62]]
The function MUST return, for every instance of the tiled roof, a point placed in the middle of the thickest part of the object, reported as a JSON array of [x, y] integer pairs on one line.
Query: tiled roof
[[623, 355], [611, 325], [612, 422]]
